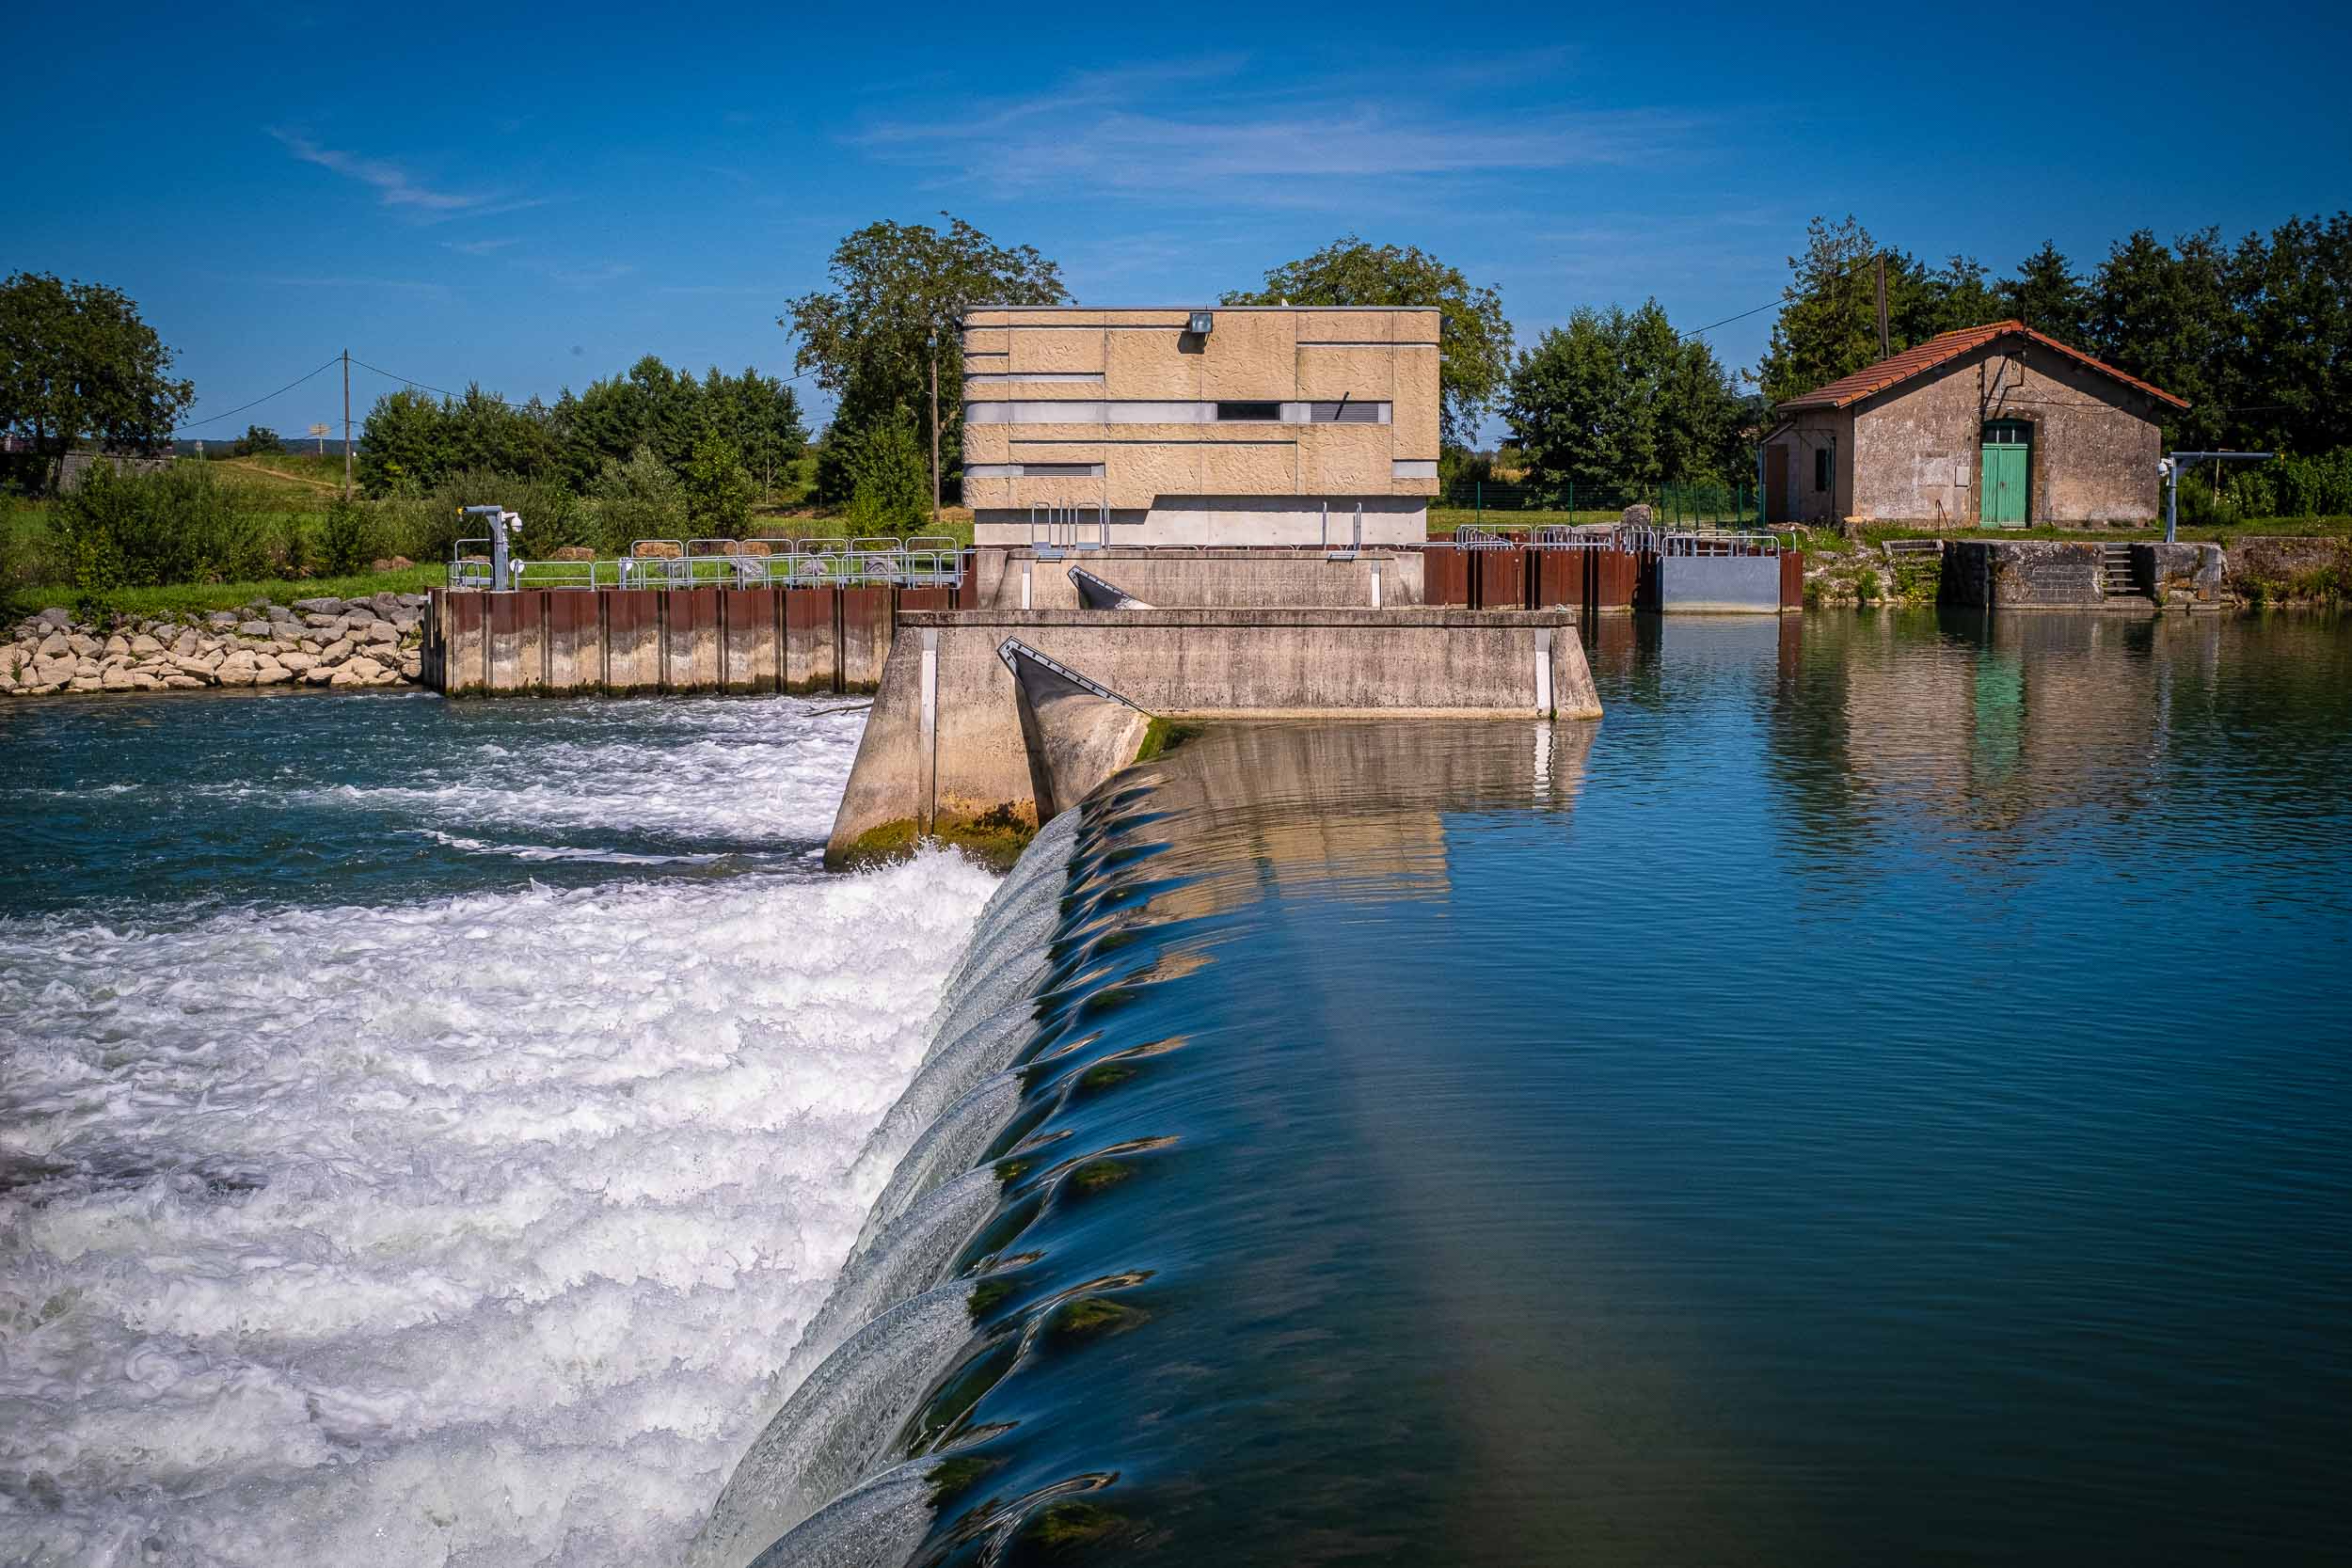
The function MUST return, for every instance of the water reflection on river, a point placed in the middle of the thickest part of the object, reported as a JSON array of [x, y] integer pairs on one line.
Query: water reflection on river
[[1878, 1096]]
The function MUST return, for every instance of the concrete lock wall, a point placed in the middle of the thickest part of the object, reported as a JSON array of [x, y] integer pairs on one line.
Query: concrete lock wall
[[629, 641], [1216, 579], [945, 743], [2033, 574]]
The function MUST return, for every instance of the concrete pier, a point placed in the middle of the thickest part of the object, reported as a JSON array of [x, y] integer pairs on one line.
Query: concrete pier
[[946, 745]]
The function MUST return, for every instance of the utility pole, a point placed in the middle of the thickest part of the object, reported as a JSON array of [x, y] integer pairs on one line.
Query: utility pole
[[1884, 349], [347, 423], [933, 356]]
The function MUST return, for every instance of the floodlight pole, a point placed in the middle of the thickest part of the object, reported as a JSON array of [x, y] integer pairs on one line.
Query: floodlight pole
[[501, 520], [2169, 466]]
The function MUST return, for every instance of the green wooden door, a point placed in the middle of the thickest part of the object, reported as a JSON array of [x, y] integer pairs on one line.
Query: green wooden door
[[2008, 460]]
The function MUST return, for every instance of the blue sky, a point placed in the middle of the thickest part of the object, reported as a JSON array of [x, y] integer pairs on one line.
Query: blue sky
[[534, 200]]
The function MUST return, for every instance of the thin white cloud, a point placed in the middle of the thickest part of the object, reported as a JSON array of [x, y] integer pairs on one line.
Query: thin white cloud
[[394, 185], [1148, 133], [478, 247], [583, 277], [402, 284]]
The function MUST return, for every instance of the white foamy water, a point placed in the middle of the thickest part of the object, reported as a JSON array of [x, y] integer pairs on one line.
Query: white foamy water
[[471, 1230]]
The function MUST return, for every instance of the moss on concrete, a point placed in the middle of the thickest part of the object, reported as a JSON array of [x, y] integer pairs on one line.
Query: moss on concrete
[[951, 1477], [1094, 1318], [1095, 1175], [1104, 1075], [1163, 735], [1071, 1526], [996, 839]]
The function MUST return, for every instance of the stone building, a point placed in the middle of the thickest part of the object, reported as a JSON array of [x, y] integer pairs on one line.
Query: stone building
[[1225, 425], [1992, 426]]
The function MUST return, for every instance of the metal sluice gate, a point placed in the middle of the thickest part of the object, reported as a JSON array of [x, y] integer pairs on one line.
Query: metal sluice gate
[[1012, 651]]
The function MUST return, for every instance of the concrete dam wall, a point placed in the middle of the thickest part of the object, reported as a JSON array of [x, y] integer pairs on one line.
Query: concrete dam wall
[[946, 751]]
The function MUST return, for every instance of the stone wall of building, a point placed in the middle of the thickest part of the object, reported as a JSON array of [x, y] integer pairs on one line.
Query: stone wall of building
[[1916, 446]]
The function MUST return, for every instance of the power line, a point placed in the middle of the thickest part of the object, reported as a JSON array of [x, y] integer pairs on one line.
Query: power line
[[508, 403], [212, 418], [1728, 320]]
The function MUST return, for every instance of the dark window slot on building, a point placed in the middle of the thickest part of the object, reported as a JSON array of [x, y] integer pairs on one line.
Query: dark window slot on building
[[1343, 413], [1821, 468], [1264, 412]]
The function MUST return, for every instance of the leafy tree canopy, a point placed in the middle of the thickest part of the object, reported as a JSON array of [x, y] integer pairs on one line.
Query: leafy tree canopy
[[1618, 398], [258, 438], [882, 337], [77, 363], [1474, 344]]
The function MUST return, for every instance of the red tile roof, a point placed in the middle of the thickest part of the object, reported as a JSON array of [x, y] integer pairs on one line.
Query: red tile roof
[[1942, 349]]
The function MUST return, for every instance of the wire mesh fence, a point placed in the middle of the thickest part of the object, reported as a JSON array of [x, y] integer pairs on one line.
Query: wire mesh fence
[[1573, 503]]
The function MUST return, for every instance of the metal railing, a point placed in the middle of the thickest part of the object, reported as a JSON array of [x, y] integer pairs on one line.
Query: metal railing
[[554, 574], [1470, 537], [1719, 542], [469, 570], [1570, 537], [1057, 530]]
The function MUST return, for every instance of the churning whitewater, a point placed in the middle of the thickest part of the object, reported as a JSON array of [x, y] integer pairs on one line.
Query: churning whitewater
[[476, 1224]]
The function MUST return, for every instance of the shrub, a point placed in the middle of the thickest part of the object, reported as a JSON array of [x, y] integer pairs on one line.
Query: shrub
[[890, 483], [143, 531], [1865, 587], [296, 558], [717, 489], [637, 499], [425, 528], [348, 538]]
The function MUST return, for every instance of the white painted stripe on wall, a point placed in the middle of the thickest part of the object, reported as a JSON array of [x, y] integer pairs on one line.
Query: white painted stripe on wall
[[1413, 468]]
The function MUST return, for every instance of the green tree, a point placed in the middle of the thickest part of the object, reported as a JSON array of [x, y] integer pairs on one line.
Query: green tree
[[483, 431], [2164, 314], [2047, 296], [77, 363], [648, 406], [1828, 321], [887, 473], [717, 489], [257, 440], [1618, 400], [1475, 341], [638, 500], [761, 416], [404, 444], [883, 336], [2293, 294]]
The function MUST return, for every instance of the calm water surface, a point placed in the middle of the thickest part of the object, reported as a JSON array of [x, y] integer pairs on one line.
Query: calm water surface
[[1881, 1095]]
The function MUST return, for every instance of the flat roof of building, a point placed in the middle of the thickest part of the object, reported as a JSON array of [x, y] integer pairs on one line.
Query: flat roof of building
[[1191, 308]]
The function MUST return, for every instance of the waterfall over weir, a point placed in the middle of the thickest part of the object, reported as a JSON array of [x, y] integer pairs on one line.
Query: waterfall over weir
[[838, 1475]]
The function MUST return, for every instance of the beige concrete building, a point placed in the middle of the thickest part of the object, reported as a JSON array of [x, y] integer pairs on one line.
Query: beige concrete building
[[1219, 425], [1992, 426]]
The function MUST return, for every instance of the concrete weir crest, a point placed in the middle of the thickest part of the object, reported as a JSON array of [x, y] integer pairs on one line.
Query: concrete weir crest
[[989, 720]]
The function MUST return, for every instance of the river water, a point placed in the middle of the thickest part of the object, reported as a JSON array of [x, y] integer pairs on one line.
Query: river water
[[1879, 1095]]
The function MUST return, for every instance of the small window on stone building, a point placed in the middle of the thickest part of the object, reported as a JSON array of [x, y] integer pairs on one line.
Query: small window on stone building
[[1264, 412], [1820, 469], [1346, 412]]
